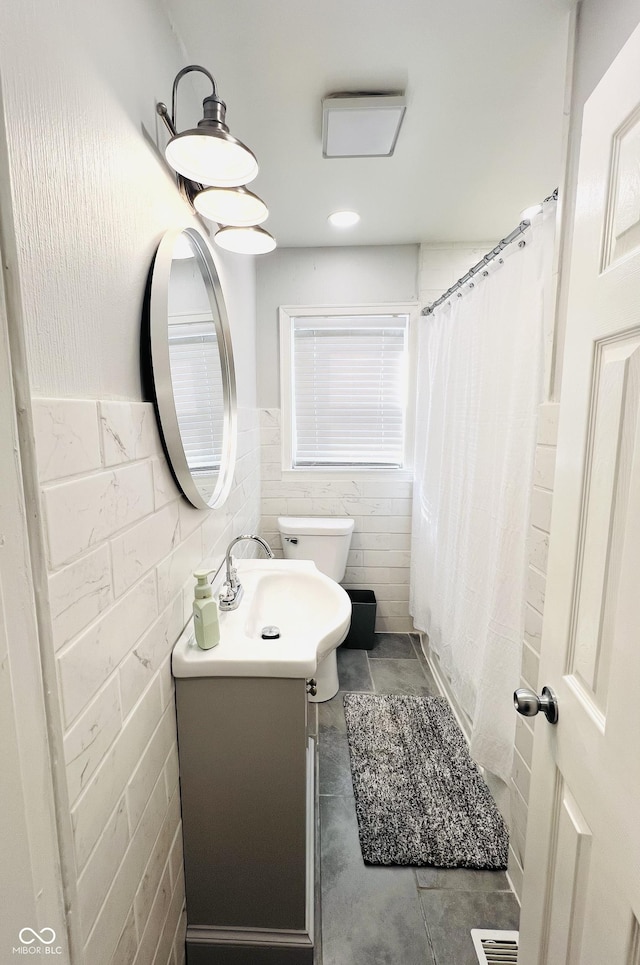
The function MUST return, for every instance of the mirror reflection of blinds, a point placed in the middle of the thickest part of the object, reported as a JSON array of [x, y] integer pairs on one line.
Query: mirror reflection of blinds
[[197, 387], [349, 391]]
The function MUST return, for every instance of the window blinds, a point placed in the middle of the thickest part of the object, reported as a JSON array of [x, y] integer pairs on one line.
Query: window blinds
[[349, 390], [197, 387]]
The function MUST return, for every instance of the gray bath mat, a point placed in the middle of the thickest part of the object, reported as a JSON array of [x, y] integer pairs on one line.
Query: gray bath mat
[[420, 799]]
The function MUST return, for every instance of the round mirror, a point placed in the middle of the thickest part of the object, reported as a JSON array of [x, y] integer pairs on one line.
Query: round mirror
[[189, 363]]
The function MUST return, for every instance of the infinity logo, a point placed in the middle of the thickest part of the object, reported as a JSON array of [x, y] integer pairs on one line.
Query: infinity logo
[[37, 937]]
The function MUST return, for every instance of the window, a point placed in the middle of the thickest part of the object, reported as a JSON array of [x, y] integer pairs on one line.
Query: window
[[344, 389], [196, 377]]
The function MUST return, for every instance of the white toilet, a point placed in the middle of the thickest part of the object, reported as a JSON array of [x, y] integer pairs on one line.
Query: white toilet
[[326, 542]]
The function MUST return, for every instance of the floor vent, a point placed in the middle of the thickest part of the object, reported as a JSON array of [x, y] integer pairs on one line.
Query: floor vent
[[495, 947]]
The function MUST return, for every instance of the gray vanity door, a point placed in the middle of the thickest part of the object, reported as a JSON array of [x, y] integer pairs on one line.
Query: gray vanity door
[[243, 776]]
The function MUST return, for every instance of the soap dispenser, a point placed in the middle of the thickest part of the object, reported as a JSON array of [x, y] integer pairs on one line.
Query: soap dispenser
[[205, 613]]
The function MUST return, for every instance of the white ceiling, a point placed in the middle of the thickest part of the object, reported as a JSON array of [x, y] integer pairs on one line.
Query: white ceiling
[[481, 139]]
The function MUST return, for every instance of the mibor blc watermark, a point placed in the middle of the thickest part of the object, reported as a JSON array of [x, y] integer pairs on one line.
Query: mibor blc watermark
[[37, 943]]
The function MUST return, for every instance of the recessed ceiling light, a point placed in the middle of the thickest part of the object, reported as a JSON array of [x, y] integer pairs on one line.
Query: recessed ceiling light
[[344, 219]]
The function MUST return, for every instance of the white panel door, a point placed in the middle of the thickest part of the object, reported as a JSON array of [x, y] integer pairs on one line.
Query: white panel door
[[581, 898]]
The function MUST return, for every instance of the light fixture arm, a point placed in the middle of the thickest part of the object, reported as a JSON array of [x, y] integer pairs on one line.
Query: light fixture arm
[[178, 78], [163, 112], [214, 108]]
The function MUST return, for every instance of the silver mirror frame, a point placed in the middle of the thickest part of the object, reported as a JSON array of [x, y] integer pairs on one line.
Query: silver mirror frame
[[161, 369]]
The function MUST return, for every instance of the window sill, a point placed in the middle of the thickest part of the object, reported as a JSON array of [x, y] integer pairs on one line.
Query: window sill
[[349, 472]]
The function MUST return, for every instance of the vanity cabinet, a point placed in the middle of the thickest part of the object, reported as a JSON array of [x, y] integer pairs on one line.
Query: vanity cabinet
[[247, 780]]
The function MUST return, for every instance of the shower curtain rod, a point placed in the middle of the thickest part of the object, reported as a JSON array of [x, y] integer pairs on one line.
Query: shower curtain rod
[[481, 265]]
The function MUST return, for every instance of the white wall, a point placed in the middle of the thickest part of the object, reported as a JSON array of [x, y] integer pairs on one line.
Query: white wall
[[325, 276], [113, 543], [380, 505]]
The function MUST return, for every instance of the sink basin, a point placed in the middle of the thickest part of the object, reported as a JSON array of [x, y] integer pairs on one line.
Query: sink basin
[[311, 611]]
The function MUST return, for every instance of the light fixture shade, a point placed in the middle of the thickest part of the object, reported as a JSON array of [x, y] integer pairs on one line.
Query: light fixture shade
[[231, 206], [245, 241], [211, 156]]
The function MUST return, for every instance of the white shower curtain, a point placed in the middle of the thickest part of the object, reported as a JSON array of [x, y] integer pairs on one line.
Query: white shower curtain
[[480, 368]]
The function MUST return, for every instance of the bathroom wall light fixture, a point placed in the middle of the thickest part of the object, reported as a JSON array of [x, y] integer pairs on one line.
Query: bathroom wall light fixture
[[208, 154], [231, 206], [245, 241], [213, 168]]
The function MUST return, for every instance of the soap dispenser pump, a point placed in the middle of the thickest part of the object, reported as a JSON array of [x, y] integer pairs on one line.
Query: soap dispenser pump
[[205, 613]]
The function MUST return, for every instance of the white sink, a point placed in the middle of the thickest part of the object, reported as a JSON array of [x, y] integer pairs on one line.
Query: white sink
[[311, 611]]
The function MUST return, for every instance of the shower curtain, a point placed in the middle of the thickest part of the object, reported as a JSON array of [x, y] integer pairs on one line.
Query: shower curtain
[[480, 373]]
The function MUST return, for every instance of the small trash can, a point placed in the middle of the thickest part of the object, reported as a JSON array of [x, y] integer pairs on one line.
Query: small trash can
[[361, 634]]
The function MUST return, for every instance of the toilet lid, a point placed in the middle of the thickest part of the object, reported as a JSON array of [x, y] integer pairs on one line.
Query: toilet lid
[[315, 526]]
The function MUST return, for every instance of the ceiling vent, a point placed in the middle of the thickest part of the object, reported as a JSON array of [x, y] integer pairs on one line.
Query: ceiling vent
[[361, 125]]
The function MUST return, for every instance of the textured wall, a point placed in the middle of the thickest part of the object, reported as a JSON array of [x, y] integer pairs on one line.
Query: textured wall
[[114, 542], [121, 546], [92, 192]]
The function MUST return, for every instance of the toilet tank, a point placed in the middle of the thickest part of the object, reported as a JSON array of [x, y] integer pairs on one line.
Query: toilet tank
[[323, 540]]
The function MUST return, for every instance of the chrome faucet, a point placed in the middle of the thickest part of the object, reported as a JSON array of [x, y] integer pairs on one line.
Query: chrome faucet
[[232, 590]]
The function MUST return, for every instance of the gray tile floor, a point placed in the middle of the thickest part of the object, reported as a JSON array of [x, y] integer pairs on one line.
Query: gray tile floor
[[391, 915]]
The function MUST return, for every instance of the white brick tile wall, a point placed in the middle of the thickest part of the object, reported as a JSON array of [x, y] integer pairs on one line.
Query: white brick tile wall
[[156, 918], [87, 662], [151, 765], [538, 547], [114, 910], [127, 947], [79, 593], [532, 627], [85, 511], [548, 424], [524, 737], [91, 811], [179, 948], [167, 936], [159, 862], [123, 544], [145, 659], [93, 733], [101, 868], [138, 549], [128, 431], [545, 466], [176, 858], [536, 586], [67, 437], [530, 662], [381, 509], [541, 500], [164, 487]]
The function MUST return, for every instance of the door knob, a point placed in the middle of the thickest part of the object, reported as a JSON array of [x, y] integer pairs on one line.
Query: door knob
[[527, 703]]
